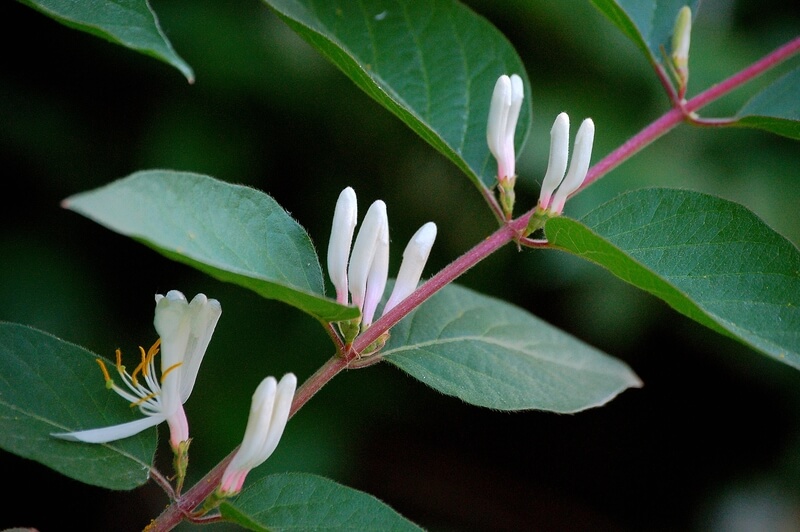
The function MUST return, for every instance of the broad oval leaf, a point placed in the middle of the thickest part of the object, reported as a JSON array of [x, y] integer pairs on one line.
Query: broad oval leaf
[[776, 108], [492, 354], [130, 23], [708, 258], [434, 64], [648, 23], [300, 501], [231, 232], [48, 385]]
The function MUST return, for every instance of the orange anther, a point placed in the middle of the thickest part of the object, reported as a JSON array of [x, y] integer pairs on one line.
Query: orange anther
[[143, 399], [102, 365], [164, 375]]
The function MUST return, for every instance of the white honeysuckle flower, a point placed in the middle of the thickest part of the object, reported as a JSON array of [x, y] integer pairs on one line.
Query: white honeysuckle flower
[[184, 330], [378, 275], [344, 223], [414, 258], [557, 164], [578, 166], [503, 115], [364, 251], [269, 412]]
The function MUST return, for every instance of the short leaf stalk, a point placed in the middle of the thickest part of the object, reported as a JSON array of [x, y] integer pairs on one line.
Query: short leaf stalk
[[184, 505]]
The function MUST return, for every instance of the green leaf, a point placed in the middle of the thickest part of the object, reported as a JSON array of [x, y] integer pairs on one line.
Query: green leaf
[[648, 23], [48, 385], [776, 108], [131, 23], [708, 258], [299, 501], [434, 64], [231, 232], [495, 355]]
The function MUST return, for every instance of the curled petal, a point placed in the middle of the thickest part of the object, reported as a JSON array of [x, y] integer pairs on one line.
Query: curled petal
[[114, 432], [204, 314]]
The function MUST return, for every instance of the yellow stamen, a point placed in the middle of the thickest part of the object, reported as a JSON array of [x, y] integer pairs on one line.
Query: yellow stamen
[[146, 359], [119, 360], [106, 376], [143, 399], [164, 375], [153, 351], [141, 367]]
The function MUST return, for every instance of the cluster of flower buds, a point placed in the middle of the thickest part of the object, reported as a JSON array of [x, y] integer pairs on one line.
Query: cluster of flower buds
[[556, 187], [361, 276], [503, 114], [681, 37]]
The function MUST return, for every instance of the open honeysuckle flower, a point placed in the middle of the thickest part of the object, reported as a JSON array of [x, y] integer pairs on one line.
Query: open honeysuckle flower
[[366, 271], [184, 331], [269, 412]]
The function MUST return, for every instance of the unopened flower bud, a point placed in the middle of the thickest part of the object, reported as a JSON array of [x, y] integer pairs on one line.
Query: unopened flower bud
[[344, 224], [414, 258], [503, 114], [269, 412], [578, 166], [557, 164], [378, 275], [364, 251]]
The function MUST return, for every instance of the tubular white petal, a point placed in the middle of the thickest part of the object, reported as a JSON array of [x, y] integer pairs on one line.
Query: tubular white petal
[[114, 432], [204, 314], [173, 324], [344, 223], [258, 423], [414, 258], [498, 116], [578, 166], [280, 414], [378, 275], [364, 251], [509, 154], [559, 154], [517, 94]]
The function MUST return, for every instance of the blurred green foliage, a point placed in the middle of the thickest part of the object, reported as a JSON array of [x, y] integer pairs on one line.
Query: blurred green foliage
[[716, 427]]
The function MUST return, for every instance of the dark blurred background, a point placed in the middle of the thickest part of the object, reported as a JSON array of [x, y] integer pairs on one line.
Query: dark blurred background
[[712, 440]]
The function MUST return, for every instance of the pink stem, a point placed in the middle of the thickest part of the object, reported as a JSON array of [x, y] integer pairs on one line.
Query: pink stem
[[509, 232], [675, 116]]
